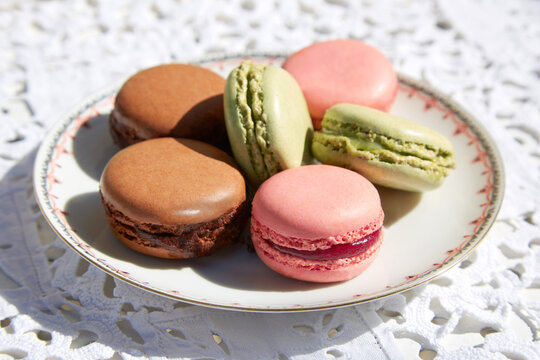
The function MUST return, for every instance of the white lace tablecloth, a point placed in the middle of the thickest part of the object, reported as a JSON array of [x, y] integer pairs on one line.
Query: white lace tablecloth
[[54, 305]]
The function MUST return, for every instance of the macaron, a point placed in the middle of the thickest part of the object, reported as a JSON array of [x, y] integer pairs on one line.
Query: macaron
[[174, 198], [386, 149], [317, 223], [176, 100], [343, 71], [267, 120]]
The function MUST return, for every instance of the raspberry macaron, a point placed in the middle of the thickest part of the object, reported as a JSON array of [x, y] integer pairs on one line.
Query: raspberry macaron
[[317, 223]]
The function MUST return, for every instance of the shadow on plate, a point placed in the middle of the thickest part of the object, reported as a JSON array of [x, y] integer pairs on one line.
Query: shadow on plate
[[237, 268], [86, 216], [93, 146], [397, 203], [234, 267]]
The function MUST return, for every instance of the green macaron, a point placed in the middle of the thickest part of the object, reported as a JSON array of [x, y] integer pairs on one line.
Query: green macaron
[[386, 149], [267, 120]]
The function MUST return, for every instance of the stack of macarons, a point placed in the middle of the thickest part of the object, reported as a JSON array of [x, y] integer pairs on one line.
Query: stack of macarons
[[173, 191], [310, 138]]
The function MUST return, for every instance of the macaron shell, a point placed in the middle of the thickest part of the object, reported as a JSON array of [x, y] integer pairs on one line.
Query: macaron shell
[[179, 100], [288, 123], [317, 201], [397, 176], [340, 71], [172, 181]]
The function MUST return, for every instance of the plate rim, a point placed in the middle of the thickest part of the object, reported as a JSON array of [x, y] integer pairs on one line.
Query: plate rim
[[50, 141]]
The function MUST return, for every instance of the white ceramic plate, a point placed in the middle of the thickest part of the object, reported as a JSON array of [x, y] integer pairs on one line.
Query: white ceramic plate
[[425, 234]]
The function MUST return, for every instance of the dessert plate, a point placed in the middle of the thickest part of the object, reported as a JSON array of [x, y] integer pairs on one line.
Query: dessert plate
[[425, 234]]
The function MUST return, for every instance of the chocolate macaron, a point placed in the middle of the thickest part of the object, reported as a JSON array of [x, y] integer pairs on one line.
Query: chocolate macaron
[[176, 100], [174, 198]]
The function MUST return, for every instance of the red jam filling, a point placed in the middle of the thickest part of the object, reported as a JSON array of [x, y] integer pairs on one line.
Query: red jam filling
[[338, 251]]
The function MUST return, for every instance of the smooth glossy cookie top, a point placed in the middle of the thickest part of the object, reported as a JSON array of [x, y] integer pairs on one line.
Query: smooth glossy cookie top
[[172, 181]]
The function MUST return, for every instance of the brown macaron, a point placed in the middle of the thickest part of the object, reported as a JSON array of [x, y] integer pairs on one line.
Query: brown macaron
[[176, 100], [174, 198]]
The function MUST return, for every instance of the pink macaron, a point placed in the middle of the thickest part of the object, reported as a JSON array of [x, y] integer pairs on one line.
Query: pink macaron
[[317, 223], [343, 71]]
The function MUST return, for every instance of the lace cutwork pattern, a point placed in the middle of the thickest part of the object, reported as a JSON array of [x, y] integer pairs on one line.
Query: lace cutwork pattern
[[53, 304]]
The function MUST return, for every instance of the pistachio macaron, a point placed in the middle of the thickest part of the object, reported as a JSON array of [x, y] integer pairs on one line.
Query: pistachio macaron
[[386, 149], [267, 120]]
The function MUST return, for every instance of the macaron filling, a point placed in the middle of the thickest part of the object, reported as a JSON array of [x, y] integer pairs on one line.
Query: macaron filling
[[249, 99], [337, 251], [123, 132], [362, 138], [372, 151], [349, 245], [177, 240]]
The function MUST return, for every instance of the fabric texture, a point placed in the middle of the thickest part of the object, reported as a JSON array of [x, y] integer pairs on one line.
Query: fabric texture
[[54, 305]]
